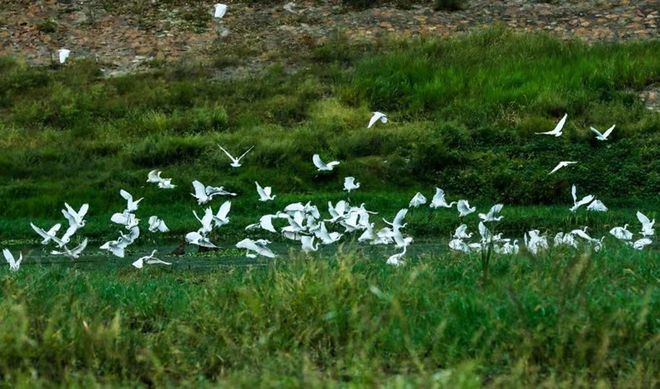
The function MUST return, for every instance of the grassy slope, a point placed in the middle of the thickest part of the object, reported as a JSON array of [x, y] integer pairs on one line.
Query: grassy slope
[[559, 319], [463, 113]]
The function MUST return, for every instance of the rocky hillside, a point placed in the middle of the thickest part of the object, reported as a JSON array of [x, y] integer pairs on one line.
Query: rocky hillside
[[126, 35]]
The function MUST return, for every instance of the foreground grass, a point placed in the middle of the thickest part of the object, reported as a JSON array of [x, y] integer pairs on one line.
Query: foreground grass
[[562, 319], [463, 113]]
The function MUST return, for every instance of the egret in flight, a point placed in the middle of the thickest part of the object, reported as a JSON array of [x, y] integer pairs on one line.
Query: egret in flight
[[557, 131], [350, 184], [235, 162], [604, 135], [149, 260], [14, 264], [464, 209], [561, 165], [264, 193], [322, 166], [417, 200], [377, 116], [438, 200], [647, 224]]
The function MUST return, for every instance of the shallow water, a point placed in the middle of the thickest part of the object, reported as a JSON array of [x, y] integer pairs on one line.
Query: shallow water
[[225, 256]]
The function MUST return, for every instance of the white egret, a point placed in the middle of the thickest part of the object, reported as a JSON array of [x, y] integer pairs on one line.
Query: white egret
[[325, 236], [116, 247], [289, 7], [604, 135], [47, 235], [153, 177], [647, 224], [535, 242], [338, 211], [307, 244], [213, 191], [457, 244], [350, 184], [562, 164], [206, 221], [200, 193], [639, 244], [163, 183], [417, 200], [219, 10], [204, 194], [596, 243], [14, 264], [149, 260], [75, 218], [507, 248], [131, 205], [581, 232], [235, 162], [221, 217], [493, 214], [322, 166], [577, 204], [396, 259], [461, 232], [350, 223], [567, 239], [264, 193], [368, 235], [398, 223], [399, 239], [125, 218], [294, 207], [621, 233], [438, 200], [63, 55], [265, 223], [66, 238], [384, 236], [198, 239], [597, 206], [463, 207], [132, 235], [486, 235], [73, 253], [557, 131], [156, 224], [256, 246], [377, 116]]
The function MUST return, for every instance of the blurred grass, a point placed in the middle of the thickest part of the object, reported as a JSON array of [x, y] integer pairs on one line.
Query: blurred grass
[[559, 320]]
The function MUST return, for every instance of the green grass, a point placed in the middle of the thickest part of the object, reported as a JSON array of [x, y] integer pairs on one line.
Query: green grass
[[463, 115], [562, 319]]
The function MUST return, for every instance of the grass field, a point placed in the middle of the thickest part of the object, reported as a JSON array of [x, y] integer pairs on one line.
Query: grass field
[[463, 113], [561, 320]]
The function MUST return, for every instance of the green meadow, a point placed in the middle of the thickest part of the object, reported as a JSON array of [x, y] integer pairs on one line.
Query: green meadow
[[463, 113]]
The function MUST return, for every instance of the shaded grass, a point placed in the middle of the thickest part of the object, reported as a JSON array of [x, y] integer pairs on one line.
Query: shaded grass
[[559, 319]]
